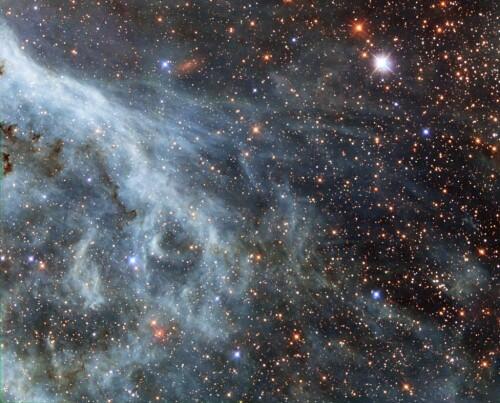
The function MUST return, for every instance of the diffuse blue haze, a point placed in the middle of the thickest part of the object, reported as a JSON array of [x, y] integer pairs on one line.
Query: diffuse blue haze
[[273, 201]]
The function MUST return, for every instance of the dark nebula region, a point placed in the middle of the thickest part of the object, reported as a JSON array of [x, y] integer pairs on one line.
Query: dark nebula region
[[249, 201]]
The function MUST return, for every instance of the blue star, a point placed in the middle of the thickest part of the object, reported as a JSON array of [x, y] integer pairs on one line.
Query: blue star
[[376, 294], [426, 132], [166, 65]]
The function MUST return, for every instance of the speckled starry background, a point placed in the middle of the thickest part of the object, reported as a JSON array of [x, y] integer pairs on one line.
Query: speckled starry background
[[239, 201]]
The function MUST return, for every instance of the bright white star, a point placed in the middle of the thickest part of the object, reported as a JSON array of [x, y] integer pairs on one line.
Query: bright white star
[[382, 63]]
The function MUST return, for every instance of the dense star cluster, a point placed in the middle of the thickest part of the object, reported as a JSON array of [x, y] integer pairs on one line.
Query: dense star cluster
[[241, 201]]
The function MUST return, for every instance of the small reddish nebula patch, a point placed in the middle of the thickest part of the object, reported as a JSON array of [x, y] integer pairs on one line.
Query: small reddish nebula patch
[[158, 332], [188, 67]]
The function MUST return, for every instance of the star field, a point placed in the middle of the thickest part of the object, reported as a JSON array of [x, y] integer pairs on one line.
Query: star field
[[243, 201]]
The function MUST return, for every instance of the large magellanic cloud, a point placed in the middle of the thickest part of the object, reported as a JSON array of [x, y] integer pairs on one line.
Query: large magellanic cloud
[[168, 234]]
